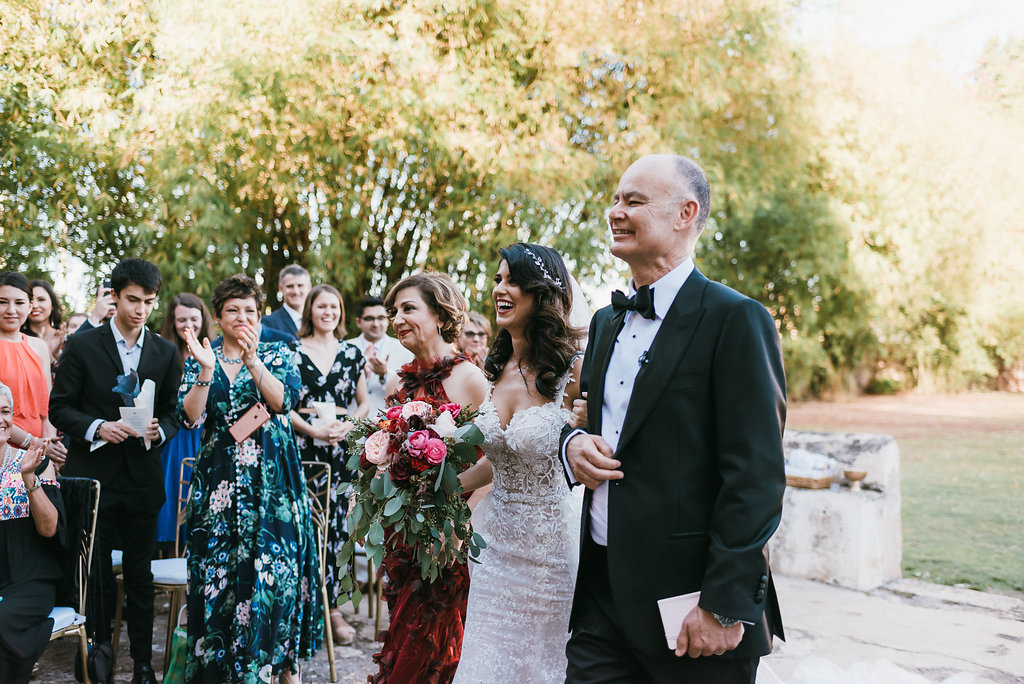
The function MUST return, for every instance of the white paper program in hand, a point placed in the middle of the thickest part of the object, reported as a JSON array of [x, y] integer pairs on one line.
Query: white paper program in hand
[[673, 611]]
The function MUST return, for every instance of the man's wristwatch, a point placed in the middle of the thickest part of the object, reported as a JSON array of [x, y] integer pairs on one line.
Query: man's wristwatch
[[725, 621]]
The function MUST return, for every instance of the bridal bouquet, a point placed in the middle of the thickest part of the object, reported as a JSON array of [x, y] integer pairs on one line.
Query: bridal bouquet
[[408, 460]]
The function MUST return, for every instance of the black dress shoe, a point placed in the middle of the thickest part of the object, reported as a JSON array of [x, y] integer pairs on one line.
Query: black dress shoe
[[144, 674]]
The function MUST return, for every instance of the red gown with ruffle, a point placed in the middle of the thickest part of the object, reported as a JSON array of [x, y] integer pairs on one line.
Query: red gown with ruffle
[[424, 640]]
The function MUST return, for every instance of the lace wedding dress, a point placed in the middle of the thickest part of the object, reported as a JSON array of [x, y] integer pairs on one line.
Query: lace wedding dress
[[521, 592]]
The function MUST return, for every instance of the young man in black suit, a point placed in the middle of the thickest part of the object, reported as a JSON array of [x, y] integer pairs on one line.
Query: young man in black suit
[[99, 371], [682, 457], [293, 283]]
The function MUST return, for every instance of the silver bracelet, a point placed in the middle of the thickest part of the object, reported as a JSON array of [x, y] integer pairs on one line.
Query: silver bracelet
[[36, 486], [28, 441]]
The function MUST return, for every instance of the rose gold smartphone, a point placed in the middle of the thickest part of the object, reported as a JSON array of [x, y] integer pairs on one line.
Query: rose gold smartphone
[[249, 422]]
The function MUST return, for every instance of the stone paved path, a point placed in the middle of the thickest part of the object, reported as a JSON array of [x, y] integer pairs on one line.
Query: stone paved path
[[908, 631]]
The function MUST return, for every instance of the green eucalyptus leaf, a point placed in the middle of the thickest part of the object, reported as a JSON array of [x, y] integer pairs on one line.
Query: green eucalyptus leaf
[[376, 534], [392, 506], [377, 486], [450, 482], [470, 434]]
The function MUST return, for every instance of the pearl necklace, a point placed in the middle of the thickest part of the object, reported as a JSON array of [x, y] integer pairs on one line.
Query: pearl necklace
[[224, 359]]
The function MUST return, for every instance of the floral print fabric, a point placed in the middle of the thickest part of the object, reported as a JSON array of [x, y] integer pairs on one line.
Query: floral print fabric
[[254, 603], [13, 495]]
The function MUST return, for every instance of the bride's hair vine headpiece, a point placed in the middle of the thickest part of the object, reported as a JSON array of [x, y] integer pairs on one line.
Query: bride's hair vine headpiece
[[543, 269]]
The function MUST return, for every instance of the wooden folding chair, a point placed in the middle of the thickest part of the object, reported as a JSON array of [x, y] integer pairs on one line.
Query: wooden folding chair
[[71, 619], [318, 485]]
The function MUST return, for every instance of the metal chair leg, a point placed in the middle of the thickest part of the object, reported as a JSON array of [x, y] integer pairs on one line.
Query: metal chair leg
[[379, 589], [329, 633], [172, 622], [83, 648], [370, 588], [118, 611]]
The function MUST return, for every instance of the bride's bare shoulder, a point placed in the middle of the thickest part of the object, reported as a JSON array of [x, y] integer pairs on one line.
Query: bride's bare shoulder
[[466, 385]]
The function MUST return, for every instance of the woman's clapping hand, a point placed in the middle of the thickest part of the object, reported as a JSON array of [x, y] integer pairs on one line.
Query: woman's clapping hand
[[202, 353], [32, 458]]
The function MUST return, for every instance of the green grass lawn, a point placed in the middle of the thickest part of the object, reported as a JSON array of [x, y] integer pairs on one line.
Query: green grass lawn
[[963, 513], [962, 465]]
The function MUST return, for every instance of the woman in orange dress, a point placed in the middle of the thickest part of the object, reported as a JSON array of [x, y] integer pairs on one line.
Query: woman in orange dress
[[24, 363]]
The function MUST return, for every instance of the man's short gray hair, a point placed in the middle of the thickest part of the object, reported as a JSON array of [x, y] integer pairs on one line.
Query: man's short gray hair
[[292, 270], [693, 175], [6, 392]]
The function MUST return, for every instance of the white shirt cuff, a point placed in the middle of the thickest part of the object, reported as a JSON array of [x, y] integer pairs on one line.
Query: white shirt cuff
[[90, 434], [565, 459]]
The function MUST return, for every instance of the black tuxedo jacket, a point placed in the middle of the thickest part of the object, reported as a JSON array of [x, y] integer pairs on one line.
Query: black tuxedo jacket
[[280, 320], [702, 462], [83, 392]]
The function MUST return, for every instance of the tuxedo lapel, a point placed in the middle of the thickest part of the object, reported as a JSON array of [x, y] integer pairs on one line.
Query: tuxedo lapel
[[666, 352], [147, 357], [602, 355], [110, 347]]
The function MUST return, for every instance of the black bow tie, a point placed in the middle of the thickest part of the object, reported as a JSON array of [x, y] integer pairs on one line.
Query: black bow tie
[[642, 302]]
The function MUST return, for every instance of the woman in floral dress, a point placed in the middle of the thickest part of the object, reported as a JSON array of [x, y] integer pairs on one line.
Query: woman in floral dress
[[332, 372], [253, 602]]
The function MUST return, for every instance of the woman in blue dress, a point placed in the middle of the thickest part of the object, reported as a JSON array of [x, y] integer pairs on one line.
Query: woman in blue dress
[[253, 602], [186, 311]]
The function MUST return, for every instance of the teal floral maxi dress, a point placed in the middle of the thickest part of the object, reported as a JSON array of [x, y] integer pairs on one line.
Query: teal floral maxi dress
[[254, 604]]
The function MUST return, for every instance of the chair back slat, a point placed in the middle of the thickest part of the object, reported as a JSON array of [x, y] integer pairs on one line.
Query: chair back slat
[[318, 486], [81, 498], [184, 493]]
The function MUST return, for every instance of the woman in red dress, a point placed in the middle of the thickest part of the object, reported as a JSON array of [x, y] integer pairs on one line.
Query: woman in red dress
[[424, 640]]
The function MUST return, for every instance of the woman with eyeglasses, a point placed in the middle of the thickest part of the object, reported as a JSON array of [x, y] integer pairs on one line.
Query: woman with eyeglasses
[[476, 338], [254, 579]]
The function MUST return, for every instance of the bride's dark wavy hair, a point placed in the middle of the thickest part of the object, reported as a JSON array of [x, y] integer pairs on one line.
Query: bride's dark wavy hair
[[551, 343]]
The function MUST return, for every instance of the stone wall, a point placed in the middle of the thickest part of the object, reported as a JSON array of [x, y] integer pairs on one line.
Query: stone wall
[[842, 537]]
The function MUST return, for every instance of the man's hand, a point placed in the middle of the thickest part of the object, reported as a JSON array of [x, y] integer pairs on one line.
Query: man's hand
[[115, 432], [153, 431], [702, 635], [375, 364], [103, 307], [591, 460], [56, 450]]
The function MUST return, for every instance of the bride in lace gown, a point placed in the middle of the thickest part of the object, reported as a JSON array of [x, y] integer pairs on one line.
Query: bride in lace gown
[[521, 593]]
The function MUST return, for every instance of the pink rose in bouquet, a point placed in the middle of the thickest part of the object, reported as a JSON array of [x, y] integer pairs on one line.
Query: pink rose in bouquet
[[417, 408], [435, 451], [376, 448], [450, 408], [418, 442], [394, 412]]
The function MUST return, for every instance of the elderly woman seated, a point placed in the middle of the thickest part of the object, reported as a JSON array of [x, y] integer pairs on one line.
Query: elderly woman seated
[[31, 536]]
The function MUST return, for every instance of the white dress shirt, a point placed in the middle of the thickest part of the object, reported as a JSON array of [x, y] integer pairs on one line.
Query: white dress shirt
[[632, 343], [130, 357], [376, 386]]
